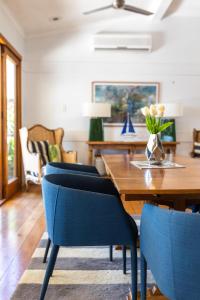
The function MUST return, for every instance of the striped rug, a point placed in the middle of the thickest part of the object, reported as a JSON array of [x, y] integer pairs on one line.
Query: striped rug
[[80, 274]]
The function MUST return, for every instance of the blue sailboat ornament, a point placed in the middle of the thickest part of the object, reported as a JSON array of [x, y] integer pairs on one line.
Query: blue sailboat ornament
[[128, 129]]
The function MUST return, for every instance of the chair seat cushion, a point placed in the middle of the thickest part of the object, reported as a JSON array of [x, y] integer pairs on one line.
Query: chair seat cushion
[[40, 147]]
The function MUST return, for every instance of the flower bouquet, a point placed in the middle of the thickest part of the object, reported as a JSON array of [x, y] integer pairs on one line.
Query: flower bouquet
[[153, 115]]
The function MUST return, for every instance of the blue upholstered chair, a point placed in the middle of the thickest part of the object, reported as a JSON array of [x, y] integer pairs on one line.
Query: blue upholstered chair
[[67, 168], [170, 246], [82, 213], [195, 208]]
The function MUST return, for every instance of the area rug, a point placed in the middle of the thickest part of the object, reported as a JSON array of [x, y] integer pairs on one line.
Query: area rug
[[80, 274]]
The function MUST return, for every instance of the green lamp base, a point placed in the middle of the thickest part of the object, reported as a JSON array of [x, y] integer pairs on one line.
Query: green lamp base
[[169, 134], [96, 130]]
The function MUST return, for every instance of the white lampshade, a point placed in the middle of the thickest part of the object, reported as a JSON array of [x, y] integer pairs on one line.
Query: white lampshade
[[96, 110], [173, 110]]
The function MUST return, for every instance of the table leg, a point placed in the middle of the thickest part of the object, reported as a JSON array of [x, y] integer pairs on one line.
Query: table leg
[[90, 156], [150, 295], [174, 150], [180, 204]]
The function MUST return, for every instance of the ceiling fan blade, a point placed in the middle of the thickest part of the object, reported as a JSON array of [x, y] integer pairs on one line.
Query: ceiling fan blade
[[137, 10], [97, 9]]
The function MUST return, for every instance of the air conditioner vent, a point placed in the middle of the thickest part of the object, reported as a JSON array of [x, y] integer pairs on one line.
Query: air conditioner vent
[[123, 42]]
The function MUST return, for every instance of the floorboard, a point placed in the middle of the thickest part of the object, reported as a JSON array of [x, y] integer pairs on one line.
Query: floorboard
[[22, 225]]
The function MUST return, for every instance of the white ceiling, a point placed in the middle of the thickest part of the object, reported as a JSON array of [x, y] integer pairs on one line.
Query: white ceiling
[[33, 15]]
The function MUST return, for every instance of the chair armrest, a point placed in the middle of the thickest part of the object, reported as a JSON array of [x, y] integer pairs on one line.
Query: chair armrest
[[69, 156], [32, 162]]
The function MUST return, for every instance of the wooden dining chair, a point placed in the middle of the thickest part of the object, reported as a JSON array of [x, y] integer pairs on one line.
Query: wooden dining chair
[[196, 143]]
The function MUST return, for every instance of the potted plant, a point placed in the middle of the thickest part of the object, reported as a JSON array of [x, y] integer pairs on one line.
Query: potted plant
[[153, 115]]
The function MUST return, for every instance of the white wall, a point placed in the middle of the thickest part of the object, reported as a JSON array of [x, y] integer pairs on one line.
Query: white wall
[[60, 68], [14, 34], [11, 30]]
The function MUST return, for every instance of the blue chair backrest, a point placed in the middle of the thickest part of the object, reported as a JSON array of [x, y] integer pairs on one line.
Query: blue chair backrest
[[85, 210], [170, 242], [67, 168]]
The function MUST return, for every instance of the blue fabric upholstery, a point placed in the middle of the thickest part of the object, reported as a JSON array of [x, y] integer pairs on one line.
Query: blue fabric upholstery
[[86, 211], [67, 168], [195, 208], [170, 246]]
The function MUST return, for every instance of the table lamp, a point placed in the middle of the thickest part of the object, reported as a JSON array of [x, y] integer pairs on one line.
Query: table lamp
[[172, 111], [96, 111]]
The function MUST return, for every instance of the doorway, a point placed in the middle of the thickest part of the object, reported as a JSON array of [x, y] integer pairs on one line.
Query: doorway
[[10, 107]]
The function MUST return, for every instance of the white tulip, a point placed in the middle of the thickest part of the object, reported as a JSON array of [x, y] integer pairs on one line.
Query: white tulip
[[160, 114], [145, 111], [161, 107], [160, 110], [153, 110]]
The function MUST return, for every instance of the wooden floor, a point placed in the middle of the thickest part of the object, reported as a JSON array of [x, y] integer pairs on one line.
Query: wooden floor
[[21, 227]]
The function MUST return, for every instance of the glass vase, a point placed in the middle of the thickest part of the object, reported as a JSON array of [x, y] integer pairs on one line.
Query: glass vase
[[154, 150]]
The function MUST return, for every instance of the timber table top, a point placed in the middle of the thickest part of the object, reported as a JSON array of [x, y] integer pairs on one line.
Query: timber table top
[[93, 143], [130, 180]]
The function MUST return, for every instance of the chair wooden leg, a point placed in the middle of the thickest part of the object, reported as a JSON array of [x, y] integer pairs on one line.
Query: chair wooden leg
[[134, 272], [143, 276], [124, 259], [46, 251], [111, 252], [26, 185], [50, 267]]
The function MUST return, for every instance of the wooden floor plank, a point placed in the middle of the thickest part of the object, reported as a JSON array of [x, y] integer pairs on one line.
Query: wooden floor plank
[[22, 226]]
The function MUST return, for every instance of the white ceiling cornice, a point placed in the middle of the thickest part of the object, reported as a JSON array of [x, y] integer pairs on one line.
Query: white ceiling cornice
[[12, 19]]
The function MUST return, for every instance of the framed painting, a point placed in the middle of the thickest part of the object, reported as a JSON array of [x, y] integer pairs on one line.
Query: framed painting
[[125, 97]]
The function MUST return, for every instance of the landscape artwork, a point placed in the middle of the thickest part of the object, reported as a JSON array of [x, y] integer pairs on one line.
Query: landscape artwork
[[126, 97]]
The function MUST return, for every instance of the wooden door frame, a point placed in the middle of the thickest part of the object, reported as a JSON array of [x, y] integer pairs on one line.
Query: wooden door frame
[[8, 49]]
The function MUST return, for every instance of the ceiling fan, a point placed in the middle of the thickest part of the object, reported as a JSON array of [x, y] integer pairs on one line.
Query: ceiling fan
[[120, 4]]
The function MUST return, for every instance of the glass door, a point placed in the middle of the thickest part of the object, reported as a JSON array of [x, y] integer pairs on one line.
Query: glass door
[[11, 118], [10, 122]]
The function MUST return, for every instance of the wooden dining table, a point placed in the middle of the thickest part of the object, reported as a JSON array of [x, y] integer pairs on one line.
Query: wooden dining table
[[177, 187]]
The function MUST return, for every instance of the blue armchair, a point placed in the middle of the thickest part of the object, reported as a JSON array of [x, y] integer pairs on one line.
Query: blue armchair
[[195, 208], [67, 168], [170, 246], [82, 213]]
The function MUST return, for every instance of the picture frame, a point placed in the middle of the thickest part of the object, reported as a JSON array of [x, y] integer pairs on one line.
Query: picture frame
[[125, 97]]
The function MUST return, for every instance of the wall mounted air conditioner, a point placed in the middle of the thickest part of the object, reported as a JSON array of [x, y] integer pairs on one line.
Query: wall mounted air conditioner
[[123, 41]]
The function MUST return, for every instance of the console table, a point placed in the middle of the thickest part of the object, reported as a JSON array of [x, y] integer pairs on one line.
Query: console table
[[131, 147]]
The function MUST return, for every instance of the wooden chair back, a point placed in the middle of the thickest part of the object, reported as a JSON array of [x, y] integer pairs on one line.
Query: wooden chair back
[[196, 135], [196, 139], [40, 133]]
